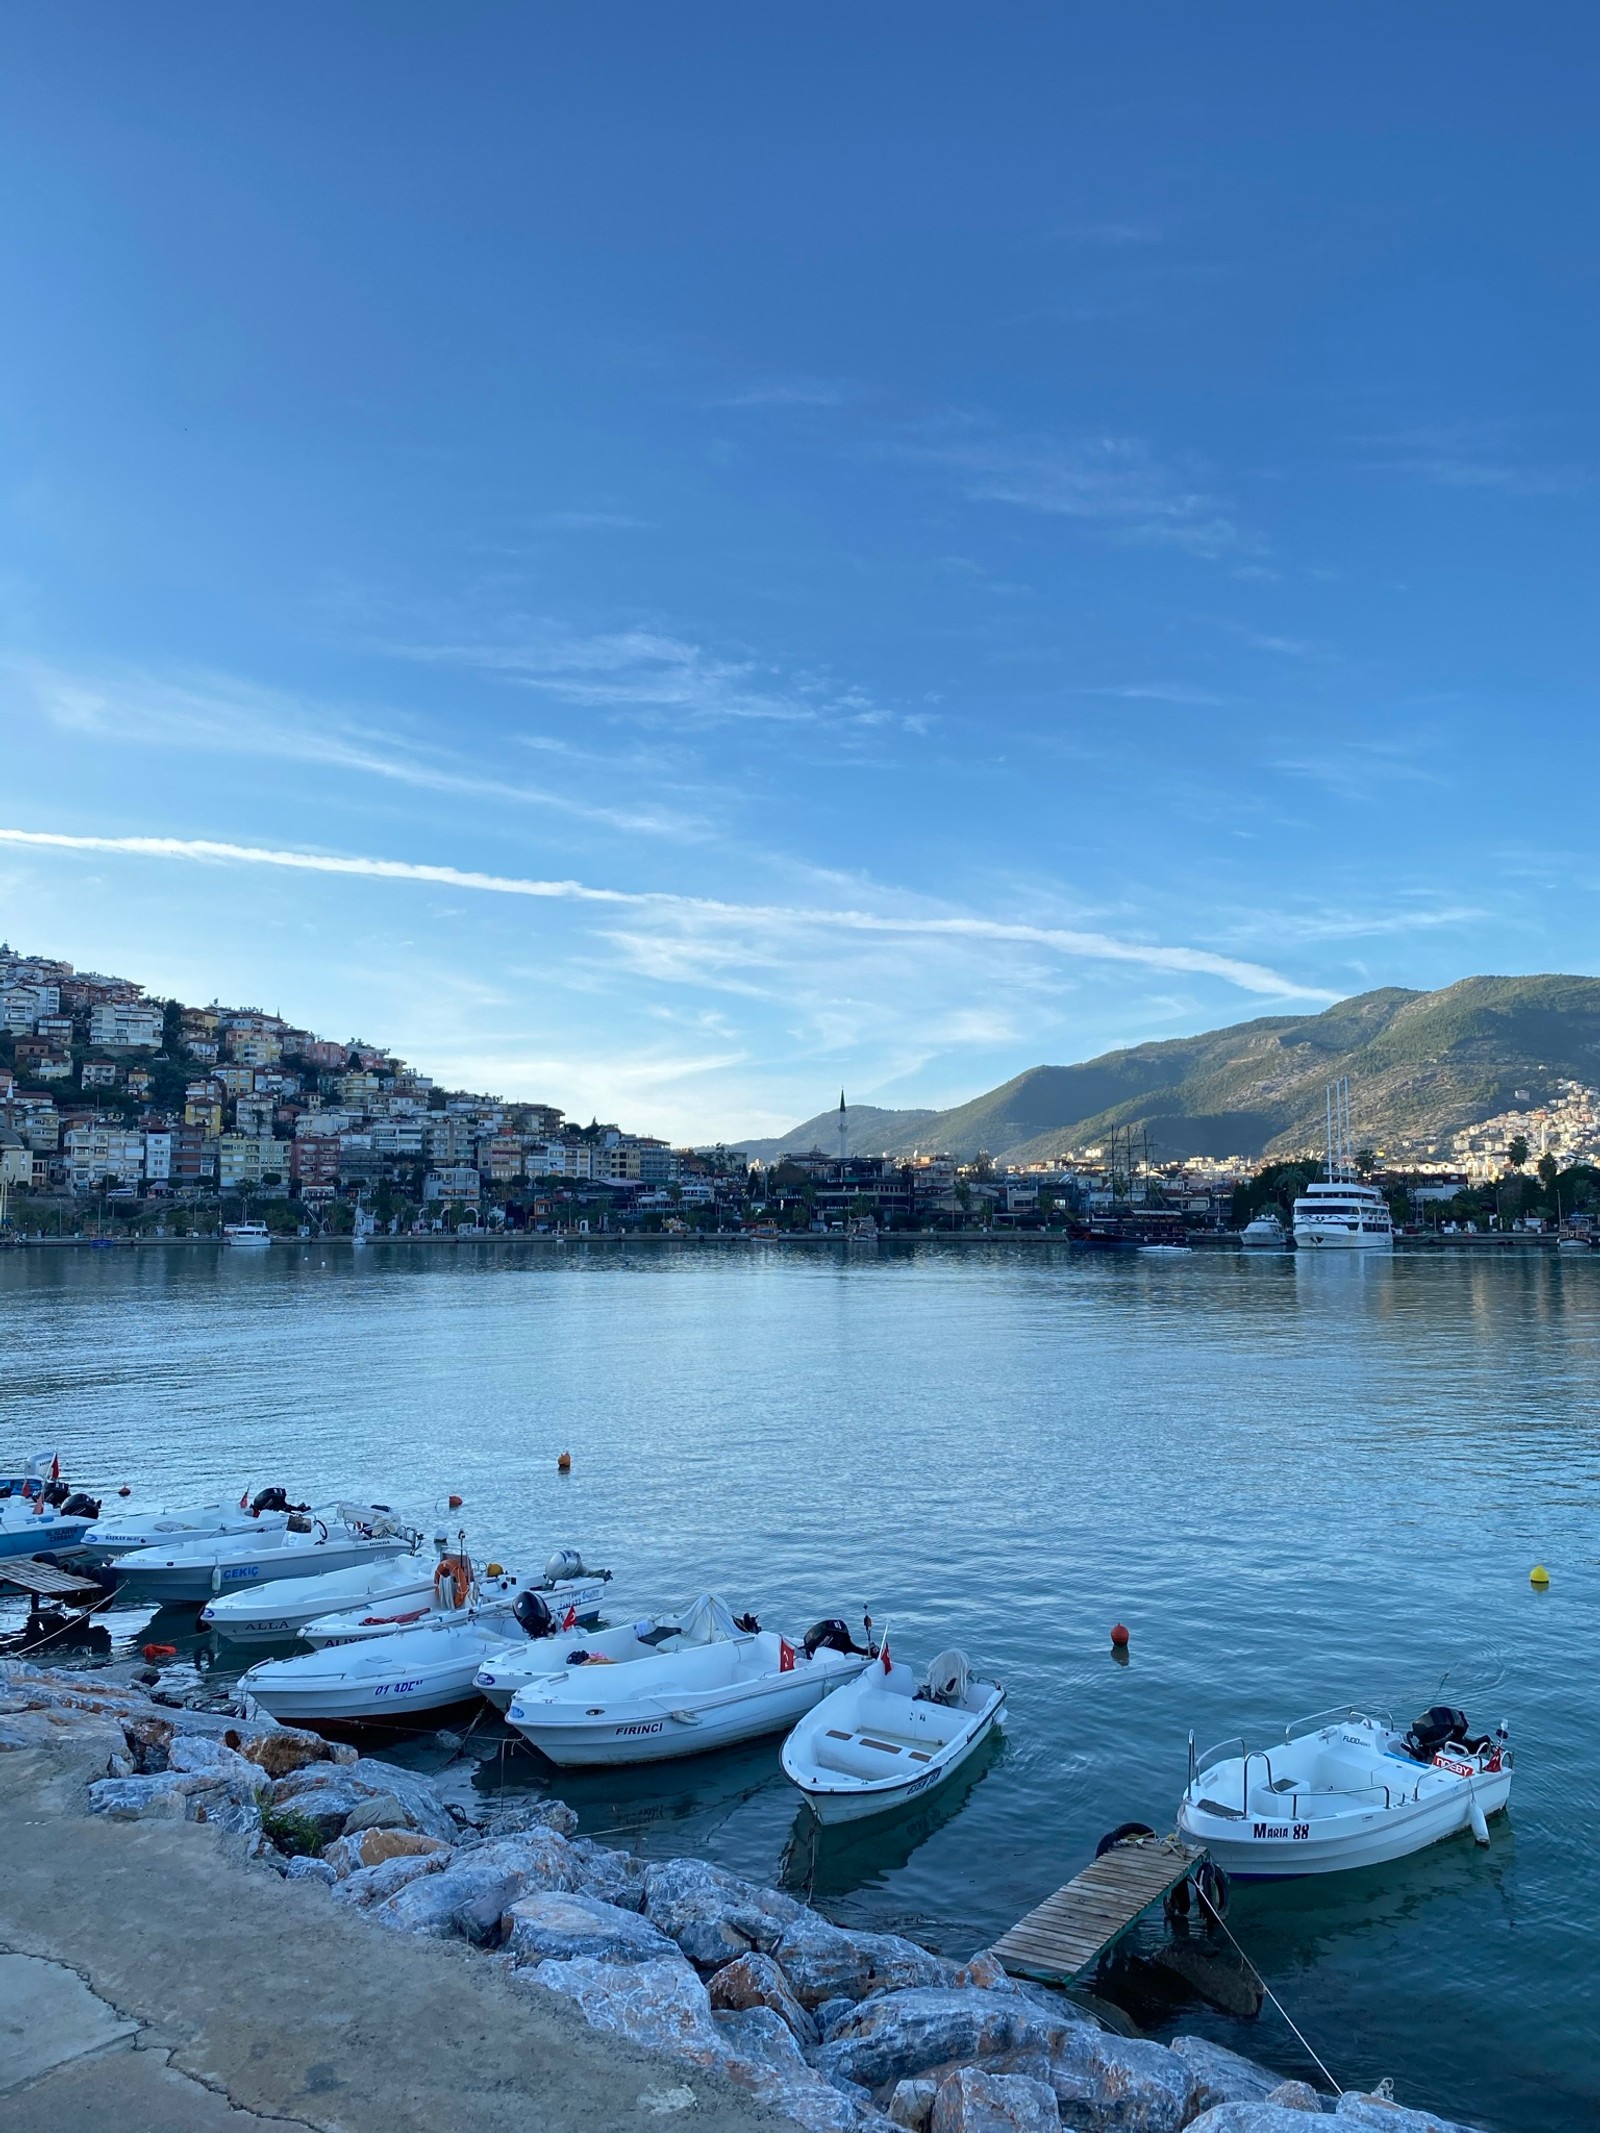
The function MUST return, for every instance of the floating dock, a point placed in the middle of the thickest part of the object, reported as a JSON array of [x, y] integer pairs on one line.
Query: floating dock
[[47, 1581], [1070, 1931]]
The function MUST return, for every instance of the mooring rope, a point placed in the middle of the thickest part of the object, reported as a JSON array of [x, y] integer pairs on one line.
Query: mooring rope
[[1267, 1989]]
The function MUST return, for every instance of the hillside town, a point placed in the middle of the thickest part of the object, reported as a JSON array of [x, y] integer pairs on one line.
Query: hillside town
[[117, 1107]]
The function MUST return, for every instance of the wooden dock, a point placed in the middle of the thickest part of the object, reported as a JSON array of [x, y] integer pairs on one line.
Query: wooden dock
[[47, 1581], [1071, 1930]]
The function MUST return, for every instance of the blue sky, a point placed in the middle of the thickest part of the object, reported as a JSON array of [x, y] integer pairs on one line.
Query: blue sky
[[688, 556]]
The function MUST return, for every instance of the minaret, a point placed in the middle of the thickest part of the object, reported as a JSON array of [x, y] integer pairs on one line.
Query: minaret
[[844, 1137]]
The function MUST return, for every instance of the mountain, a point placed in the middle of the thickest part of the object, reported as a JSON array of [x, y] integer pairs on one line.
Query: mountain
[[1422, 1065]]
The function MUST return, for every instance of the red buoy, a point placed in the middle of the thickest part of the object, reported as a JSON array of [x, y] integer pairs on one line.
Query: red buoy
[[1119, 1635], [153, 1652], [124, 1490], [454, 1502]]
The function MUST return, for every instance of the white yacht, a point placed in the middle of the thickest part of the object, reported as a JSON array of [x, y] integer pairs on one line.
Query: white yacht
[[256, 1233], [1337, 1212], [1265, 1233]]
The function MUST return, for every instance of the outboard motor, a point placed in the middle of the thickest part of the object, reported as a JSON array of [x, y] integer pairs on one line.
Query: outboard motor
[[269, 1500], [832, 1635], [55, 1494], [1433, 1730], [78, 1505], [535, 1618], [565, 1563]]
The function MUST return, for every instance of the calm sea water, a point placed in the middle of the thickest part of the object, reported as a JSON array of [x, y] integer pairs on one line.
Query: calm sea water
[[1298, 1481]]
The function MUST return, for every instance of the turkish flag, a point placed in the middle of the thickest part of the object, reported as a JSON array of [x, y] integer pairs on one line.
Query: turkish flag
[[785, 1656], [55, 1467], [570, 1619], [883, 1651], [244, 1501]]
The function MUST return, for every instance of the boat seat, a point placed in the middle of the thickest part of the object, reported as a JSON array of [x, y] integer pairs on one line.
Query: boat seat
[[866, 1755]]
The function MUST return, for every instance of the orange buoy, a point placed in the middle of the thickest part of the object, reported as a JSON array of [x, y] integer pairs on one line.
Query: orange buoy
[[564, 1463], [124, 1490], [1119, 1635], [153, 1652], [454, 1502]]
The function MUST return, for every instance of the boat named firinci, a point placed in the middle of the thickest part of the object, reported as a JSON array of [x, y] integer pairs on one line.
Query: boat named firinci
[[1344, 1791]]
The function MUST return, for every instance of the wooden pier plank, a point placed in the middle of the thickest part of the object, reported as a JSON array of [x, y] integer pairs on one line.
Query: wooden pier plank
[[1066, 1934], [46, 1580]]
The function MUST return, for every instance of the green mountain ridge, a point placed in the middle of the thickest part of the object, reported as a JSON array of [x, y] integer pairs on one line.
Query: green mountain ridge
[[1422, 1066]]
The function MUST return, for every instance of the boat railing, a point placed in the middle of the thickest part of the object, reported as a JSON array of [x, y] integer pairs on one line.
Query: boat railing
[[1336, 1715], [1225, 1751]]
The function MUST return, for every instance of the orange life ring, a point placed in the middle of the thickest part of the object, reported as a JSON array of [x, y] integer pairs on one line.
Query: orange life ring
[[454, 1571]]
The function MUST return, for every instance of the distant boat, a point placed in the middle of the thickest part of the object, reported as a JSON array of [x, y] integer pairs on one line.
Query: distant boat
[[1265, 1233], [1337, 1212], [246, 1233]]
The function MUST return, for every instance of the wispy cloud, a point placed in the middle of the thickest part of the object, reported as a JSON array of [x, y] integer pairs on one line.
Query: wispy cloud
[[785, 392], [592, 522], [771, 919], [1116, 485], [1486, 456], [1155, 692], [217, 713]]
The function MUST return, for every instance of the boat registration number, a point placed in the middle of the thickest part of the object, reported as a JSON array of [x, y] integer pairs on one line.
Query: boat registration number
[[1295, 1831], [395, 1688]]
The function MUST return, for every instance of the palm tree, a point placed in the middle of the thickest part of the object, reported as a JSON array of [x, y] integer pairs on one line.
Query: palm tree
[[1517, 1152]]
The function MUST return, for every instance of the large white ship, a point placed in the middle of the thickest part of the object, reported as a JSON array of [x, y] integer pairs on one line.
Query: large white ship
[[1338, 1213]]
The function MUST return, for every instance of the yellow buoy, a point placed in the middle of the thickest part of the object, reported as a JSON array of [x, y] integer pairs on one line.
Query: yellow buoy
[[1538, 1575], [494, 1570]]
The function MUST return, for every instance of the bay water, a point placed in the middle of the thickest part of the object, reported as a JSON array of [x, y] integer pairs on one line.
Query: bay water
[[1300, 1482]]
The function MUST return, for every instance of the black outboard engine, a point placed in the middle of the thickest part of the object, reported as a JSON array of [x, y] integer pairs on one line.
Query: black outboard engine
[[1433, 1730], [832, 1635], [533, 1615], [56, 1494], [78, 1505], [749, 1623], [269, 1500]]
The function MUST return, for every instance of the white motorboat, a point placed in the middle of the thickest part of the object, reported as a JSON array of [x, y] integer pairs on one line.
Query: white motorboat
[[1165, 1251], [274, 1613], [124, 1531], [502, 1678], [194, 1571], [563, 1599], [1342, 1790], [717, 1685], [39, 1513], [885, 1738], [1264, 1233], [249, 1233], [1338, 1212], [425, 1668]]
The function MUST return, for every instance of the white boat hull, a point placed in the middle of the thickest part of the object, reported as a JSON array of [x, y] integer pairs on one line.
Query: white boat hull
[[650, 1712], [183, 1579], [1328, 1817], [278, 1612], [111, 1537], [581, 1598], [850, 1764], [1326, 1237], [424, 1669]]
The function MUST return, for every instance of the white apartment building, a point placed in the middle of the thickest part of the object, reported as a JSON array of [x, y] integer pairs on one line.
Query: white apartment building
[[452, 1184], [132, 1023], [97, 1153], [158, 1158], [244, 1159]]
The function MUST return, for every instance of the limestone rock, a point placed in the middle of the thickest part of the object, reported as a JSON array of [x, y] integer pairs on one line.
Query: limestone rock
[[536, 1814], [762, 2056], [711, 1914], [328, 1793], [911, 2105], [1295, 2096], [899, 2034], [616, 1877], [1222, 2076], [1127, 2082], [366, 1886], [371, 1847], [755, 1980], [660, 2005], [173, 1796], [828, 2014], [824, 1962], [285, 1749], [560, 1924], [986, 1971], [148, 1740], [470, 1897], [191, 1753], [1253, 2118], [971, 2101], [309, 1870], [1382, 2116], [382, 1811]]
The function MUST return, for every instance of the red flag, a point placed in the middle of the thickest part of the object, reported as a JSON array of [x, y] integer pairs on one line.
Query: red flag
[[55, 1466], [785, 1656], [883, 1651], [570, 1619], [244, 1501]]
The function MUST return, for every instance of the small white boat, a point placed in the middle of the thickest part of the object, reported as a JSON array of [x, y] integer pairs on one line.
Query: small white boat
[[1264, 1233], [1165, 1251], [305, 1546], [249, 1233], [124, 1531], [424, 1668], [39, 1513], [1344, 1790], [274, 1613], [563, 1599], [719, 1684], [885, 1738], [501, 1679]]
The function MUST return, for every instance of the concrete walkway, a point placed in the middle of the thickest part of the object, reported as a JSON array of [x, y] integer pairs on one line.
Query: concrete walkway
[[150, 1985]]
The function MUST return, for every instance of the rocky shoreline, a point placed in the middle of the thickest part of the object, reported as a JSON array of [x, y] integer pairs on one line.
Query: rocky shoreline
[[835, 2029]]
